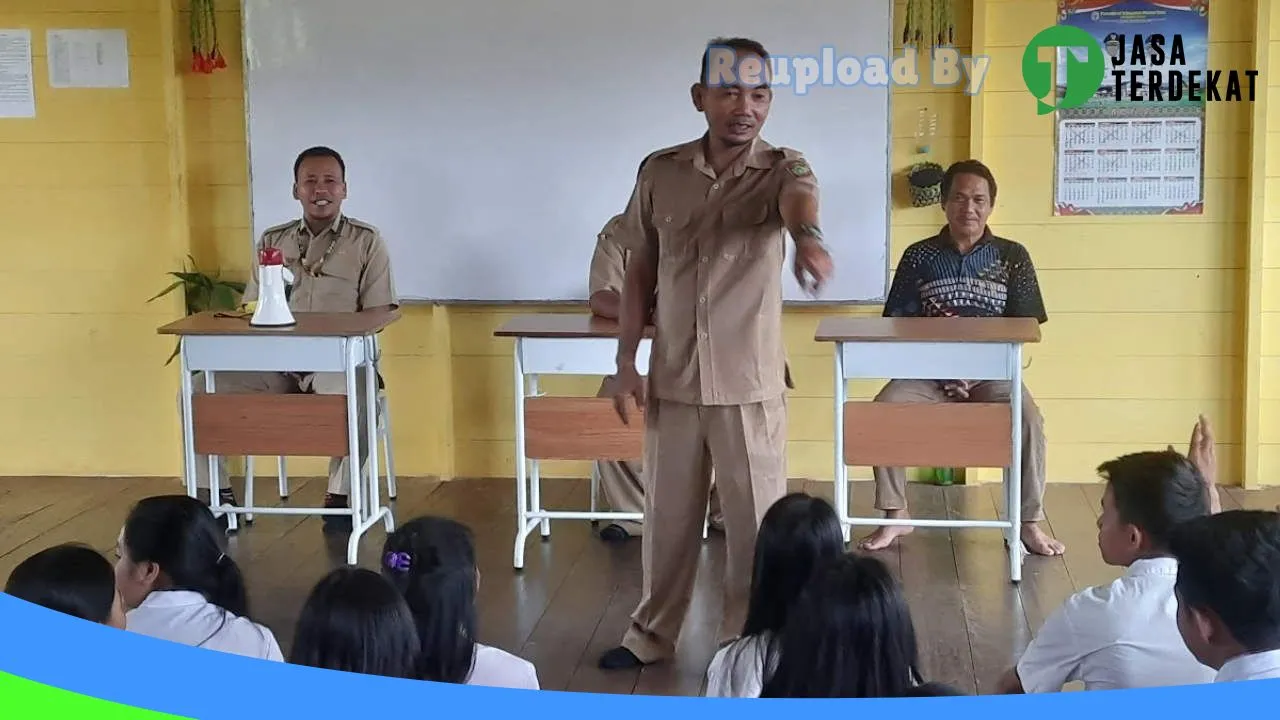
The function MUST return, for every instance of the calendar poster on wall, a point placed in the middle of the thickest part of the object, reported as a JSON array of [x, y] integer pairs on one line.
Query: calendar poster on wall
[[1137, 146]]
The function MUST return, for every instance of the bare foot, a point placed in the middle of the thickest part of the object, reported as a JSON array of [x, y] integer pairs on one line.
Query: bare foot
[[1039, 542], [884, 536]]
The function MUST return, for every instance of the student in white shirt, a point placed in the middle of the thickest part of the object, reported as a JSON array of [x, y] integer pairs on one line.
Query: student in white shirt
[[849, 635], [798, 532], [354, 621], [72, 579], [1124, 634], [431, 561], [1229, 592], [179, 583]]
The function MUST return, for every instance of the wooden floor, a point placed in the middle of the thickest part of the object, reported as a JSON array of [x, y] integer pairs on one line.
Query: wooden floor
[[573, 599]]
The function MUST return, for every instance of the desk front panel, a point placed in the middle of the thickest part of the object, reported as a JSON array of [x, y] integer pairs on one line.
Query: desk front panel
[[270, 353], [576, 356], [928, 360]]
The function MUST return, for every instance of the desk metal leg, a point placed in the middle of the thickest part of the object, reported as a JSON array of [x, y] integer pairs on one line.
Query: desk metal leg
[[840, 476], [362, 517], [1013, 483], [376, 510], [522, 478], [188, 426], [535, 474]]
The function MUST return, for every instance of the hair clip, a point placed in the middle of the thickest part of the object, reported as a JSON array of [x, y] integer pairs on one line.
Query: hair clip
[[398, 561]]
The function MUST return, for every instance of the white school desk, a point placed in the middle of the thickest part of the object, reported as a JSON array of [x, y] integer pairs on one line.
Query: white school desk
[[230, 424], [566, 428], [966, 434]]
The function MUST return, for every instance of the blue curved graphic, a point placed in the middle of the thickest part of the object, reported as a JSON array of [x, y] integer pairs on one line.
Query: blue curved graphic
[[129, 669]]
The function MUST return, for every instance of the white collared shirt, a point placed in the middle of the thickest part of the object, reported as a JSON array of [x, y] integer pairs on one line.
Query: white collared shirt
[[498, 668], [185, 617], [1251, 666], [737, 670], [1121, 635]]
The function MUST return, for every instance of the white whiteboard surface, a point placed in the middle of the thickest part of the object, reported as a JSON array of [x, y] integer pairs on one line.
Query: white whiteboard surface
[[490, 140]]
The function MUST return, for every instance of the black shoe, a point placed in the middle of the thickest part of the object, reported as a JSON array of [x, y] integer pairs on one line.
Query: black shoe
[[336, 523], [619, 658], [614, 533]]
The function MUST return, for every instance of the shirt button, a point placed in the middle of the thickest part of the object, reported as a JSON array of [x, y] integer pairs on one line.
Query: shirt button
[[716, 186], [704, 258], [667, 219], [702, 299]]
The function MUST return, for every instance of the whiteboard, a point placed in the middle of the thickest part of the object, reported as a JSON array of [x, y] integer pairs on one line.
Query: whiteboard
[[490, 140]]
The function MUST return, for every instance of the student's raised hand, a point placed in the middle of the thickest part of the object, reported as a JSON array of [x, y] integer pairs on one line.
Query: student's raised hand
[[1202, 452]]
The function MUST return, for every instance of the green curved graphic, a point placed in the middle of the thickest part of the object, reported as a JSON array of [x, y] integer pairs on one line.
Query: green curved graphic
[[21, 699]]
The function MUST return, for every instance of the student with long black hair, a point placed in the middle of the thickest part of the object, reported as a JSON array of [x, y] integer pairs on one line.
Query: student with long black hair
[[179, 583], [72, 579], [354, 621], [431, 561], [849, 635], [798, 533]]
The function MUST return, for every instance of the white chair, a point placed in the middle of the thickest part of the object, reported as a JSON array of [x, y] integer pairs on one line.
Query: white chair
[[595, 492]]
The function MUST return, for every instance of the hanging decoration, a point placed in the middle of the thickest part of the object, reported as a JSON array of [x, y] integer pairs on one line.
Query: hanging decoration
[[929, 23], [206, 56]]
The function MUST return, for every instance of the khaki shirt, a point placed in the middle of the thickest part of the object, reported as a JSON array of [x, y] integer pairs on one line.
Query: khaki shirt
[[355, 276], [609, 261], [718, 244]]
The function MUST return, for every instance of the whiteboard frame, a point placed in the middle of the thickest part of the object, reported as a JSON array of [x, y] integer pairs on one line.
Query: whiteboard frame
[[403, 300]]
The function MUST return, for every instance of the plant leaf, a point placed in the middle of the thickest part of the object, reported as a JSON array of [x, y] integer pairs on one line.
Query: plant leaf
[[223, 298], [166, 291]]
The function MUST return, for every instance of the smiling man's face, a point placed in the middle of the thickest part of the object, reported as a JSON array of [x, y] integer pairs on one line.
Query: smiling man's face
[[321, 188]]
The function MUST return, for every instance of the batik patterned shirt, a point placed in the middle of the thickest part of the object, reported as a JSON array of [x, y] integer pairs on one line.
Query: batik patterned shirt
[[996, 278]]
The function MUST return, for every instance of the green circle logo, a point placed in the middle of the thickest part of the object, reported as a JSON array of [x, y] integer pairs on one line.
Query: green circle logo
[[1084, 77]]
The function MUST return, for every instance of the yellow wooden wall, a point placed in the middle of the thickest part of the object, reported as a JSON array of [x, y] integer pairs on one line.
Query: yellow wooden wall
[[1152, 320]]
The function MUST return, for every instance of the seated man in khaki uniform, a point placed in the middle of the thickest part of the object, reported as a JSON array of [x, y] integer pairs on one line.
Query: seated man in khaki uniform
[[339, 264], [621, 480]]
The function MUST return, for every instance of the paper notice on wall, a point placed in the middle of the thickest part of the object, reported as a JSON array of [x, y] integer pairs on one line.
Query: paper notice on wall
[[17, 89], [88, 59]]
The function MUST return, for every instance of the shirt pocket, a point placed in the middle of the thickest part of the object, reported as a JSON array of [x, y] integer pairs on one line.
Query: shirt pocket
[[338, 286], [745, 231], [674, 226]]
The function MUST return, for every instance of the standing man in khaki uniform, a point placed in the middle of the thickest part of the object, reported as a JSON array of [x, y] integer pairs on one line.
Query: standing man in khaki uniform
[[339, 264], [621, 480], [705, 230]]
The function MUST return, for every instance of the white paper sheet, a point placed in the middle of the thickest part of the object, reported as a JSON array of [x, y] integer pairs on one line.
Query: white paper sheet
[[88, 59], [17, 89]]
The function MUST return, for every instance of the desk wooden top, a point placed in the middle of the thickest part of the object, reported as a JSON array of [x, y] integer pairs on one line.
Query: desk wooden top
[[561, 325], [945, 329], [309, 324]]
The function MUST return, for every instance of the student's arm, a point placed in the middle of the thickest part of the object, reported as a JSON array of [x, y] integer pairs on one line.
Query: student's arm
[[607, 276], [798, 205], [1062, 644], [605, 304]]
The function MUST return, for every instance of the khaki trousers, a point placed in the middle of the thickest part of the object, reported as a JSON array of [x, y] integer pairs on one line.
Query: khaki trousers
[[284, 383], [623, 486], [746, 445], [891, 483]]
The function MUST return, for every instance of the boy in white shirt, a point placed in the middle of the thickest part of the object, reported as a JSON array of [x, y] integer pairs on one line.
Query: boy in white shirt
[[1228, 592], [1125, 634]]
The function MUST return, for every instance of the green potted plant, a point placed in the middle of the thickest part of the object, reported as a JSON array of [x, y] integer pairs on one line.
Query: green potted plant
[[202, 291]]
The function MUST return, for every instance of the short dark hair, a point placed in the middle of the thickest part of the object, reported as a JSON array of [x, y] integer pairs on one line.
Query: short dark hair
[[740, 45], [319, 151], [1229, 563], [967, 167], [1155, 491], [72, 579]]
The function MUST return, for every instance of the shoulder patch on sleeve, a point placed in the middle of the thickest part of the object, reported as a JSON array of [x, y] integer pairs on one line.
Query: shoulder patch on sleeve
[[362, 225], [799, 167], [281, 228]]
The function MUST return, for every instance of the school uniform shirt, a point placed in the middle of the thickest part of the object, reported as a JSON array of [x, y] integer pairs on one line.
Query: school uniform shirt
[[737, 670], [1121, 635], [1251, 666], [501, 669], [186, 618]]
